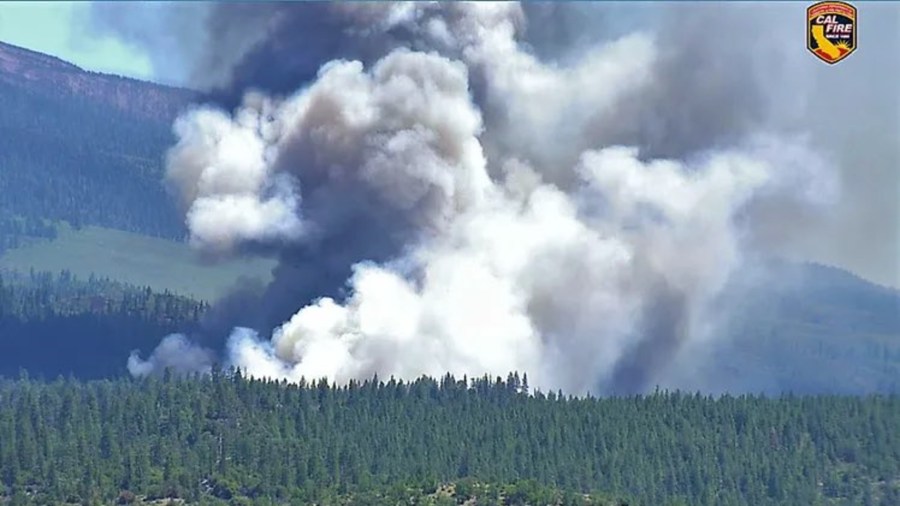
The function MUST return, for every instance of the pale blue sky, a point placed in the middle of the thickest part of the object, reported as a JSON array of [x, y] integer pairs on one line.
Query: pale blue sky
[[59, 29]]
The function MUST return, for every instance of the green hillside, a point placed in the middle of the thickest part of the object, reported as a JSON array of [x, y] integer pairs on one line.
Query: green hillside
[[809, 329], [132, 258], [82, 162], [82, 147]]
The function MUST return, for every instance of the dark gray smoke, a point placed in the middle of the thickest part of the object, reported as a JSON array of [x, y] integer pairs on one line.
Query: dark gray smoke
[[663, 331], [445, 188]]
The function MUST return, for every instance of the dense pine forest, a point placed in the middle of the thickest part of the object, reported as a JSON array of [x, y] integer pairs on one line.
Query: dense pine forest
[[56, 324], [224, 439]]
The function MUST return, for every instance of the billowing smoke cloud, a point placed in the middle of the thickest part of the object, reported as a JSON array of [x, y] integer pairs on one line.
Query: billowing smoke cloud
[[175, 353], [524, 281], [715, 81], [396, 144], [441, 197]]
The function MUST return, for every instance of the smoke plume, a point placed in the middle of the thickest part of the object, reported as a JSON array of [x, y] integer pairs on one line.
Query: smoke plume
[[451, 188], [175, 353]]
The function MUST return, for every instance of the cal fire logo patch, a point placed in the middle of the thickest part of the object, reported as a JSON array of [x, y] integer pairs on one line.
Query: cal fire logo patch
[[831, 30]]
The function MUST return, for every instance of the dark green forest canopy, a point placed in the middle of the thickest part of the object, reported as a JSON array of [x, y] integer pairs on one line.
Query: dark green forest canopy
[[225, 438], [56, 324]]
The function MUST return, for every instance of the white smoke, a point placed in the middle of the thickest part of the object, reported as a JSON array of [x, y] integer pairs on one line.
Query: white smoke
[[406, 132], [223, 173], [175, 353], [562, 254], [526, 282]]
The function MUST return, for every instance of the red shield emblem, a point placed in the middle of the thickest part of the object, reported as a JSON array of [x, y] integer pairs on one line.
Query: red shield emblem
[[831, 30]]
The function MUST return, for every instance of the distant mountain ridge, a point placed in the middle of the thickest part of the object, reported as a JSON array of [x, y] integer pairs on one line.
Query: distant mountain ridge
[[806, 328], [83, 147], [49, 74]]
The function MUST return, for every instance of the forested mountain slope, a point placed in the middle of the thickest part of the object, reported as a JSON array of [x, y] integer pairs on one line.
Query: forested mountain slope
[[82, 147], [47, 75], [249, 442], [807, 328]]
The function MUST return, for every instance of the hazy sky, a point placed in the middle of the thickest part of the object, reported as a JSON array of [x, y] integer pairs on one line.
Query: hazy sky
[[55, 28]]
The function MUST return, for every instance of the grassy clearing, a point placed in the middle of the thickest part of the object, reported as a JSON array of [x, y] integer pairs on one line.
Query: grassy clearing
[[136, 259]]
